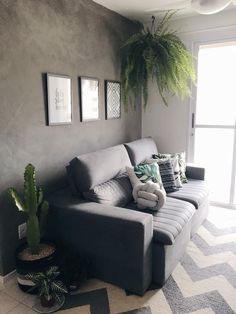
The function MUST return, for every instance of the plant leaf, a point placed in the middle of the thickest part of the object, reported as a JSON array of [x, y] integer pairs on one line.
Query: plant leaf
[[43, 217], [16, 198], [30, 190]]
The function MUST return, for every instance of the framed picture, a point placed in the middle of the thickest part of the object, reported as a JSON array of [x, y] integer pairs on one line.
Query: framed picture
[[112, 99], [59, 99], [89, 103]]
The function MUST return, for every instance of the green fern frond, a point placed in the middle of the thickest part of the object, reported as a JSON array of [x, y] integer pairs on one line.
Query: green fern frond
[[157, 54]]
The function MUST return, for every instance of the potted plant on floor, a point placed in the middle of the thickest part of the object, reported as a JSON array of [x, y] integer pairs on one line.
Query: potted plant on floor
[[36, 254], [50, 290]]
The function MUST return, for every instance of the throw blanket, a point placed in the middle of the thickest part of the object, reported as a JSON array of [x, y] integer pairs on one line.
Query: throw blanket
[[146, 195]]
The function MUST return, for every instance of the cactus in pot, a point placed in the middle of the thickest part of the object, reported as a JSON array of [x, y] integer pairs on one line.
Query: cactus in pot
[[33, 206]]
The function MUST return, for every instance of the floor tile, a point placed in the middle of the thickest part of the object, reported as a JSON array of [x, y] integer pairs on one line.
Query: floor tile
[[21, 309], [11, 288], [6, 303], [29, 300]]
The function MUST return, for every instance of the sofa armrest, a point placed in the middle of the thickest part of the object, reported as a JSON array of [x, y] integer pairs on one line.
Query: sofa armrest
[[195, 172], [117, 241]]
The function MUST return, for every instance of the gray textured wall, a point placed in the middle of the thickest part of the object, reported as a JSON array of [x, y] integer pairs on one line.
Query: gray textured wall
[[73, 37]]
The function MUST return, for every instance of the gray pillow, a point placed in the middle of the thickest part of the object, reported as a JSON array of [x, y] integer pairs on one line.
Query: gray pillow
[[92, 169], [115, 192], [140, 150]]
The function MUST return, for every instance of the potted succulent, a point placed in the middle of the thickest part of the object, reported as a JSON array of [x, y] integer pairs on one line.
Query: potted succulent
[[37, 254], [50, 290]]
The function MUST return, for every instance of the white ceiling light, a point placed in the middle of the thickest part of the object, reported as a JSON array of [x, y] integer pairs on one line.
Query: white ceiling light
[[141, 10], [209, 6]]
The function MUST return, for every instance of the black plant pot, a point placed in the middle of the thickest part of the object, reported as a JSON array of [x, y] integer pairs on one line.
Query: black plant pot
[[24, 267], [47, 303]]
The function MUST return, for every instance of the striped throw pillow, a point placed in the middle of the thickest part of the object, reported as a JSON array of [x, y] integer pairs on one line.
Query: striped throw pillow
[[167, 175], [175, 163]]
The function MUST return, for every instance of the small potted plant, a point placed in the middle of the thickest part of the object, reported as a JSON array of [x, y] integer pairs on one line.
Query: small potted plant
[[37, 254], [50, 290]]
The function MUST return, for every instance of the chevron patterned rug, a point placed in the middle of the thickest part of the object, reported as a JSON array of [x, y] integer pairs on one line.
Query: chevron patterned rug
[[205, 282]]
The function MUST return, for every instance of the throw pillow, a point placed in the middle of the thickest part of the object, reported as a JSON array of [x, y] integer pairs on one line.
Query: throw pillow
[[175, 163], [115, 192], [167, 175], [181, 161], [182, 167], [148, 172], [148, 190]]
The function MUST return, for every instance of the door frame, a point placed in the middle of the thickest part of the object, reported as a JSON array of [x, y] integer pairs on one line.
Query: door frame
[[192, 125]]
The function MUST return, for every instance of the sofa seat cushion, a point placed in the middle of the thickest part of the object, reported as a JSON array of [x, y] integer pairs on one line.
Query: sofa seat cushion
[[195, 192], [169, 221]]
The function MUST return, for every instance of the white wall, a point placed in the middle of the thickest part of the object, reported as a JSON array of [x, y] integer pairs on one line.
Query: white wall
[[170, 126]]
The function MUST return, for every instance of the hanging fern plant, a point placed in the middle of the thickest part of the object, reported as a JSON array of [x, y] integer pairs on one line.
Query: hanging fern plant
[[156, 53]]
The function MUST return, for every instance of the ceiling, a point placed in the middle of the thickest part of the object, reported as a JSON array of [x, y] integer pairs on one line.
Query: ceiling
[[144, 9]]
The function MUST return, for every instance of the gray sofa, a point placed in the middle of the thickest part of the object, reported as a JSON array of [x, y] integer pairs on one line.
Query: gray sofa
[[126, 247]]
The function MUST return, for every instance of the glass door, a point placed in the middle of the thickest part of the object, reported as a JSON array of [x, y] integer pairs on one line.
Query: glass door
[[214, 119]]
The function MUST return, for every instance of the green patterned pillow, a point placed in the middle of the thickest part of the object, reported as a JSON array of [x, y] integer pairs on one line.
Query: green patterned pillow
[[148, 172]]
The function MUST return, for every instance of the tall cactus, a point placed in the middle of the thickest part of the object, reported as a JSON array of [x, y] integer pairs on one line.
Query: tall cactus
[[33, 206]]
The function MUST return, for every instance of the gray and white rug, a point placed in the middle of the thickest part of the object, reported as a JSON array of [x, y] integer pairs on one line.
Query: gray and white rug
[[205, 282]]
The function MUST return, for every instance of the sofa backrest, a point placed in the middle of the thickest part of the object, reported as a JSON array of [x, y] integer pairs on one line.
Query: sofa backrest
[[140, 150], [95, 168]]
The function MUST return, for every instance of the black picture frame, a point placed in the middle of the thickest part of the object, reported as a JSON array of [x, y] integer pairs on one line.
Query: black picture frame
[[112, 99], [89, 99], [59, 99]]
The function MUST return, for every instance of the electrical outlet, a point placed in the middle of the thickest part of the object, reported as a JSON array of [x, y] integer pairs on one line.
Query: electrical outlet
[[22, 230]]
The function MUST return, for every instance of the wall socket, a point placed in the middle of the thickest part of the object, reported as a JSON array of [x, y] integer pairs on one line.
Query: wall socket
[[22, 230]]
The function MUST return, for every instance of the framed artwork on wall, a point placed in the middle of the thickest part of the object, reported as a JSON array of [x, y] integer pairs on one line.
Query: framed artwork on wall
[[59, 95], [112, 99], [89, 98]]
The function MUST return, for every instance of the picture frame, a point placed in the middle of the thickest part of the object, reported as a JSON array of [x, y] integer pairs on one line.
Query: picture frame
[[112, 99], [59, 99], [89, 98]]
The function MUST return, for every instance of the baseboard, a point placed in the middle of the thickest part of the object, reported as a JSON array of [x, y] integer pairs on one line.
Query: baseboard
[[6, 278]]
